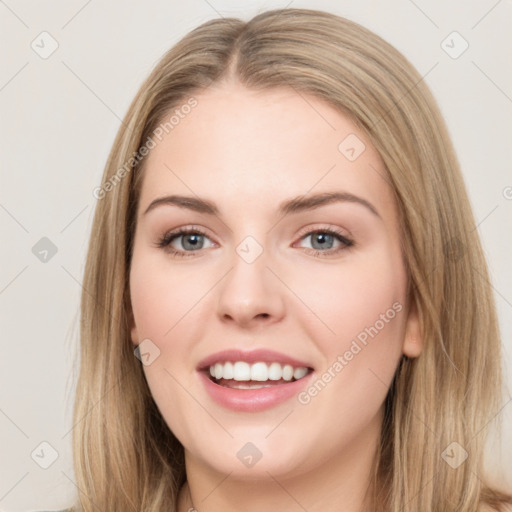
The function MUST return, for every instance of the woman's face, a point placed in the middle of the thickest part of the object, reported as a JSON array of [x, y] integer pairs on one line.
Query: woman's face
[[272, 263]]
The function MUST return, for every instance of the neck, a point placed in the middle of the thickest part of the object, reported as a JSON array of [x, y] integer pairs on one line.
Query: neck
[[341, 482]]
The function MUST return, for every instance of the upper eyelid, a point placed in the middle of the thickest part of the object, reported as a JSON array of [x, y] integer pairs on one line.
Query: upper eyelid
[[183, 231], [326, 227], [303, 232]]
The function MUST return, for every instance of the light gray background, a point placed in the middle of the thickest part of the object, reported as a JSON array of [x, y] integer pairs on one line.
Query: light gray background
[[59, 117]]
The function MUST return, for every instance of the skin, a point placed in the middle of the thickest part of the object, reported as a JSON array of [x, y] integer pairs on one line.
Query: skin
[[248, 151]]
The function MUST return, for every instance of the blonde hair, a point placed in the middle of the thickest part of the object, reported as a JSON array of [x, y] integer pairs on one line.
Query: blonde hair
[[126, 457]]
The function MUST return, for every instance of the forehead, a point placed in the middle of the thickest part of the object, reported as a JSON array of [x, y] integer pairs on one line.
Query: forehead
[[242, 146]]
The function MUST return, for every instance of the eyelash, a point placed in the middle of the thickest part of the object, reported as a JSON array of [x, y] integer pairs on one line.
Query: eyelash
[[165, 241]]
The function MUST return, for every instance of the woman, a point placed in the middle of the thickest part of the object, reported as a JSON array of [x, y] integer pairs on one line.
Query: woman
[[285, 302]]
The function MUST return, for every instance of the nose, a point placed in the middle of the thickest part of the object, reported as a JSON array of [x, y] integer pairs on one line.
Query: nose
[[250, 295]]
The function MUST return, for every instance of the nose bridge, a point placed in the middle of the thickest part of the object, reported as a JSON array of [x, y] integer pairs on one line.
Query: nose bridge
[[250, 291]]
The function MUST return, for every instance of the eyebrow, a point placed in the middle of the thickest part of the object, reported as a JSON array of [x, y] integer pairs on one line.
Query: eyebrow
[[295, 205]]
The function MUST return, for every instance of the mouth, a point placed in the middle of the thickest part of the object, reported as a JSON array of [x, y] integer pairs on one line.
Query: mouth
[[257, 375], [253, 381]]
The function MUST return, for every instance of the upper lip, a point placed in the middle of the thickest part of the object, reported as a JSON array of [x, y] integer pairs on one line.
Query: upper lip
[[253, 356]]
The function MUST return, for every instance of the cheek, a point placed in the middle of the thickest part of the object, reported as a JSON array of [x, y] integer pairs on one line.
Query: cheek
[[163, 309], [364, 304], [352, 296], [360, 313], [162, 299], [166, 307]]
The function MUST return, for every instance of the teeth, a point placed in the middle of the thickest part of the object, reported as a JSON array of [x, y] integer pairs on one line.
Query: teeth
[[275, 371], [287, 372], [228, 371], [259, 371], [242, 371], [298, 373]]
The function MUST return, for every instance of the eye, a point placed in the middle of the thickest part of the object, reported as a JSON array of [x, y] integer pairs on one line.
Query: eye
[[188, 240], [327, 241]]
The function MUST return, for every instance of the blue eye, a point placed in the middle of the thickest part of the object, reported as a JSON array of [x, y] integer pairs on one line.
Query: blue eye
[[323, 240], [193, 240]]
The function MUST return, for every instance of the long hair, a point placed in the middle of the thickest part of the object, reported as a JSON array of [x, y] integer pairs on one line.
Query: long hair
[[439, 405]]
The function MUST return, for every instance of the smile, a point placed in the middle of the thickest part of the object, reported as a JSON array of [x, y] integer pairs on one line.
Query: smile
[[253, 381], [242, 375]]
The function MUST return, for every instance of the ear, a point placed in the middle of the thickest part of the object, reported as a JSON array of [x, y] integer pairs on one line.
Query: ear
[[413, 341]]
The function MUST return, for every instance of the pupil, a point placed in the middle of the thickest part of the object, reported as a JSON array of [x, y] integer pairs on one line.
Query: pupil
[[192, 241], [322, 239]]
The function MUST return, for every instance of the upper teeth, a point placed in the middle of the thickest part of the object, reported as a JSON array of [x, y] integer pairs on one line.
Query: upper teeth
[[241, 370]]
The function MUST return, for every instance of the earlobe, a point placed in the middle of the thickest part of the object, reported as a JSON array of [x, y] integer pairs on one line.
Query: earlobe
[[413, 342]]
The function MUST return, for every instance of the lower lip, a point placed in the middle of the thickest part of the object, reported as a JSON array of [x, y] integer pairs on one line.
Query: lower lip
[[253, 400]]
